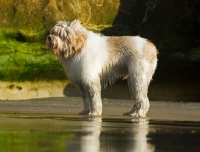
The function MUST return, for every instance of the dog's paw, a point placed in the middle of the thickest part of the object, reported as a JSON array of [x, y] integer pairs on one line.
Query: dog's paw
[[139, 110], [96, 113], [133, 114], [87, 112], [84, 112]]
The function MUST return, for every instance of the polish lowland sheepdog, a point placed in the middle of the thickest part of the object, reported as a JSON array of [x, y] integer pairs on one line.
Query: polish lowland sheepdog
[[91, 61]]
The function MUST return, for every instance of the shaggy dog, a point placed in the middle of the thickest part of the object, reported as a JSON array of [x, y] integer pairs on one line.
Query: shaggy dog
[[92, 61]]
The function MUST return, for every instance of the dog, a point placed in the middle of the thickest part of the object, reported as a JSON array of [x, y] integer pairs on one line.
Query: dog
[[92, 61]]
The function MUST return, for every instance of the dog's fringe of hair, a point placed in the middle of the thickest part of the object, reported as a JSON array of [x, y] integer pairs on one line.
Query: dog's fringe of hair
[[73, 35]]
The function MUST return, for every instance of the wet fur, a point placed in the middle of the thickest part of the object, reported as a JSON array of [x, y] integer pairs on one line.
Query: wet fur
[[92, 61]]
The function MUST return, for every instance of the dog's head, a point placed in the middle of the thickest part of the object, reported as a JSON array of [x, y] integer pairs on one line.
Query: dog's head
[[66, 38]]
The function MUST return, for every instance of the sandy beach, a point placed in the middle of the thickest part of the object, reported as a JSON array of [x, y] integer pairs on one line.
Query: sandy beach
[[66, 106]]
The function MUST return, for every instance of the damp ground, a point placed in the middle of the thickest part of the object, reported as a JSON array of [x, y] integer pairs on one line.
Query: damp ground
[[52, 124]]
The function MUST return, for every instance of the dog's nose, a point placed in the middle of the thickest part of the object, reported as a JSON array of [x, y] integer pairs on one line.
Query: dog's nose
[[49, 38]]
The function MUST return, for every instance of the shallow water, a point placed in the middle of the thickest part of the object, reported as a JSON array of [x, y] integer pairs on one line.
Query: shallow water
[[75, 133]]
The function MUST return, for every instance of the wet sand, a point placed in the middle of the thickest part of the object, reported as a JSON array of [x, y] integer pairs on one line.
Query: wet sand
[[52, 124], [66, 106]]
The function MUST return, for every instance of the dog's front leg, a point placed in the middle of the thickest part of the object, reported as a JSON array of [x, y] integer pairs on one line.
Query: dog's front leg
[[85, 96], [95, 103]]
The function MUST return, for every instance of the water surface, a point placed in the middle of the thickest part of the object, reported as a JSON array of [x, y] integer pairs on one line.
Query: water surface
[[94, 134]]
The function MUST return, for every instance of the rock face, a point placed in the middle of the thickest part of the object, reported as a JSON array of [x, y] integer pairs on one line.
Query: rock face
[[39, 15], [169, 24]]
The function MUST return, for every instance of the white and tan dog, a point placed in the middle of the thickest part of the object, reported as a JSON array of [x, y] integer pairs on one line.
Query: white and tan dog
[[91, 61]]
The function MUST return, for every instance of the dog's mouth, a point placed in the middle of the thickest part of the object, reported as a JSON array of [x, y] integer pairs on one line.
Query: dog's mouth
[[52, 46]]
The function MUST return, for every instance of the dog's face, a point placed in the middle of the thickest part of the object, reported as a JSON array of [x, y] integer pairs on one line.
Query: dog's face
[[66, 38], [56, 39]]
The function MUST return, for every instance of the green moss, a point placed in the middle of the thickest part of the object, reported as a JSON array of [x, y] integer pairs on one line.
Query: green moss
[[31, 36], [22, 35], [29, 60]]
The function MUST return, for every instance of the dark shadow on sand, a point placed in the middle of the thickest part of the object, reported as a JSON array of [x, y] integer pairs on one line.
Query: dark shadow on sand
[[119, 90]]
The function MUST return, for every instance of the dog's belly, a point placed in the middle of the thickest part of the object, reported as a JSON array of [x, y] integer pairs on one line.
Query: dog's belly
[[112, 73]]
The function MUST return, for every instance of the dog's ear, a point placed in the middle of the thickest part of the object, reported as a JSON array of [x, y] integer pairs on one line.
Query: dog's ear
[[76, 37]]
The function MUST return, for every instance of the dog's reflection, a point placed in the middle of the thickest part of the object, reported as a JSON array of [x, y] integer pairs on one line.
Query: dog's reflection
[[139, 137], [87, 138], [103, 134], [90, 140]]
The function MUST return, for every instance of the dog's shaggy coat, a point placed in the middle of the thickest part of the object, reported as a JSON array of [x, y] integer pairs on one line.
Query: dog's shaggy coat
[[91, 61]]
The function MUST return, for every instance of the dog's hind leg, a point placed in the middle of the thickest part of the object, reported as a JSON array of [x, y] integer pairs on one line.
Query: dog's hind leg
[[138, 86]]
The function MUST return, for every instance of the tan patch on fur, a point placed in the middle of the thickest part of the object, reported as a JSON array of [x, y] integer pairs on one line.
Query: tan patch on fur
[[150, 51], [126, 46], [116, 48], [118, 44], [123, 44]]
